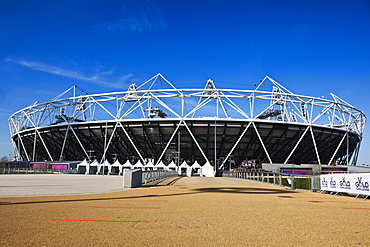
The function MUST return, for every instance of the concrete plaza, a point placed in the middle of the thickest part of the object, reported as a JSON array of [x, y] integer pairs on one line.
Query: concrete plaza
[[26, 185]]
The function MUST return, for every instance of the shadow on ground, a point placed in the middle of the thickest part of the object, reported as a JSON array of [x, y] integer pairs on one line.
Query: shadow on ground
[[191, 191]]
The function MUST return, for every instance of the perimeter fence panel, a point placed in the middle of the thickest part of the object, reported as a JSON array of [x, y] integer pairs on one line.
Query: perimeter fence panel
[[151, 176], [36, 171], [292, 181]]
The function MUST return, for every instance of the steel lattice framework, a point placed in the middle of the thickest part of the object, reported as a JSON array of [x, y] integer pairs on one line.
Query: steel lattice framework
[[156, 120]]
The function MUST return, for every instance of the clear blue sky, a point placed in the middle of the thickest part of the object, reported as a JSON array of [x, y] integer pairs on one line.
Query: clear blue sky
[[312, 47]]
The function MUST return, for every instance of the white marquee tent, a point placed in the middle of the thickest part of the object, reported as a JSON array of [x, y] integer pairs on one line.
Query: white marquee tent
[[105, 164], [139, 165], [85, 164], [196, 166], [207, 170], [150, 166], [185, 165], [128, 165], [172, 166], [119, 165], [161, 165]]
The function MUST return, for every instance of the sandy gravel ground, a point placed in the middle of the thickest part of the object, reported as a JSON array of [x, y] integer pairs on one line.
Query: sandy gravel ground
[[187, 212]]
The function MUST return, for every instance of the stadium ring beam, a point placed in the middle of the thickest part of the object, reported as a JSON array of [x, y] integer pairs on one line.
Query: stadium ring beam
[[157, 121]]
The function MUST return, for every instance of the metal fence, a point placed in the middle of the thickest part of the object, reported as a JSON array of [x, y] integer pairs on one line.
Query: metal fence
[[151, 176], [36, 171], [293, 181]]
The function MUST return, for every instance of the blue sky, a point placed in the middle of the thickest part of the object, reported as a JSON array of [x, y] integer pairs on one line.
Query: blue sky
[[311, 47]]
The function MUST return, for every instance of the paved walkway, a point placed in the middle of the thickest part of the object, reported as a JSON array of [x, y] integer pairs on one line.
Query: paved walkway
[[185, 212], [25, 185]]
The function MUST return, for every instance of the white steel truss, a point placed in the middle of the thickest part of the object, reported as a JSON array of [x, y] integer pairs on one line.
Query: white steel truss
[[152, 102]]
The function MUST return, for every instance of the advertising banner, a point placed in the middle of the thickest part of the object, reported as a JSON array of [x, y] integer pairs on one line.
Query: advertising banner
[[348, 183]]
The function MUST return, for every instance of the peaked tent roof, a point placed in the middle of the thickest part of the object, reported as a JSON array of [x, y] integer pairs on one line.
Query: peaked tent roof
[[84, 163], [138, 164], [149, 164], [207, 170], [161, 164], [184, 165], [127, 164], [106, 163], [95, 163], [207, 165], [117, 163], [196, 165], [172, 165]]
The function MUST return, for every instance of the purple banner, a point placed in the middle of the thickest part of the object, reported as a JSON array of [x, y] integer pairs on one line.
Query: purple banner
[[39, 166], [59, 167]]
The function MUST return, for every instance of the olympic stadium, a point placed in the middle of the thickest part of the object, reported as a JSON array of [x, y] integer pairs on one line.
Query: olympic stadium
[[159, 122]]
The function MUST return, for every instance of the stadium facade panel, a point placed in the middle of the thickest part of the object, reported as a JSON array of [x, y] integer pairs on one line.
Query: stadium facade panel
[[160, 122]]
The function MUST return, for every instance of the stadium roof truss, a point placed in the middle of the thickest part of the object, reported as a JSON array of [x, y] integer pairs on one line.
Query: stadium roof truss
[[158, 101]]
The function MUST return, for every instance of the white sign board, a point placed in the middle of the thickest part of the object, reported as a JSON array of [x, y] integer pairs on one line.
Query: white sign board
[[348, 183]]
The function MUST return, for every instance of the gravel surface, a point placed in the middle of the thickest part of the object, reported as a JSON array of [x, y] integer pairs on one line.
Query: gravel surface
[[187, 212]]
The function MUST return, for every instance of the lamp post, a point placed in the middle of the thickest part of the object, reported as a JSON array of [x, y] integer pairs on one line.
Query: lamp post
[[178, 151], [215, 149]]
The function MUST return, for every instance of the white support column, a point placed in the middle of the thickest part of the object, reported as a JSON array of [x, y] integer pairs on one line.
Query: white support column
[[347, 158], [196, 142], [15, 149], [105, 144], [296, 145], [314, 143], [170, 140], [217, 104], [183, 104], [24, 148], [235, 145], [64, 143], [43, 143], [132, 142], [263, 145], [223, 107], [108, 144], [34, 146], [355, 154], [83, 148], [311, 112], [336, 150], [251, 105]]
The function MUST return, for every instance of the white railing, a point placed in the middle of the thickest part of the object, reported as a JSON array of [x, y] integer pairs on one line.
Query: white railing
[[151, 176], [293, 181], [36, 171]]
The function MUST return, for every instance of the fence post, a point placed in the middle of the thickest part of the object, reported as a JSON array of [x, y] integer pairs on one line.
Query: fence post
[[292, 181]]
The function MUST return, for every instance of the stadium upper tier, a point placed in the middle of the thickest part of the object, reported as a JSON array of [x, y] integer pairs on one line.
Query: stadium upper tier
[[158, 121]]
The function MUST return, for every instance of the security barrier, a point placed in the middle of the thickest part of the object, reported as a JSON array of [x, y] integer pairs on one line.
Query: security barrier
[[356, 184], [293, 181], [151, 176], [36, 171]]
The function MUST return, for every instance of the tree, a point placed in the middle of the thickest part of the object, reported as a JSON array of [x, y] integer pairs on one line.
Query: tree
[[3, 161]]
